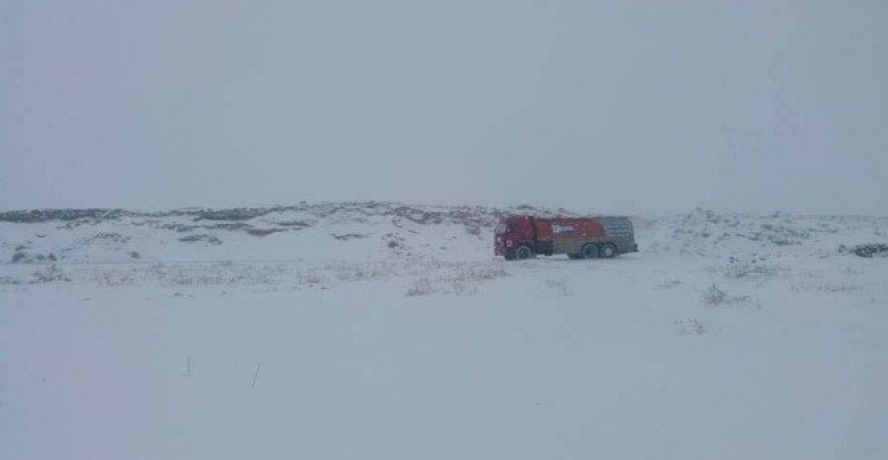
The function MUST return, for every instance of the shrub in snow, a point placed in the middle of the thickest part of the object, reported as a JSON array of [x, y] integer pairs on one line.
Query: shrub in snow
[[19, 256], [714, 296], [43, 215], [825, 287], [669, 284], [105, 238], [203, 237], [263, 231], [420, 286], [231, 214], [867, 250], [742, 270], [690, 326], [348, 236], [295, 224], [459, 279], [22, 256], [48, 275]]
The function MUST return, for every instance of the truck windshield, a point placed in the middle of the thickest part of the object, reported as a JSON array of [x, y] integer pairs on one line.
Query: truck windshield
[[500, 228]]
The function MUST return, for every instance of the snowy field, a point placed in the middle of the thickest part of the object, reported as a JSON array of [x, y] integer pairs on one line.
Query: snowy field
[[382, 331]]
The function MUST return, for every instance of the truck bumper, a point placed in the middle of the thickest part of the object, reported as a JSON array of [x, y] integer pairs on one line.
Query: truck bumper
[[499, 246]]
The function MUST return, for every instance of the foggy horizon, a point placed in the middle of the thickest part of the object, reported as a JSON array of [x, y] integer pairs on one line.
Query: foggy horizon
[[648, 106]]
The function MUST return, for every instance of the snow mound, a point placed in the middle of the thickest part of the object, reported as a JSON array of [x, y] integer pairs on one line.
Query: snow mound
[[365, 231], [707, 233]]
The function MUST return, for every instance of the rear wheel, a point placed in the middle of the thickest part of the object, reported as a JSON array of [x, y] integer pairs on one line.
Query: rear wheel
[[589, 251], [523, 252], [608, 251]]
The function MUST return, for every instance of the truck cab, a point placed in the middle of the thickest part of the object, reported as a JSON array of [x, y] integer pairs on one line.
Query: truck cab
[[512, 233]]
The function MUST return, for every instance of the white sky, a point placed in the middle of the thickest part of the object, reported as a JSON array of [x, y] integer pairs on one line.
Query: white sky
[[625, 106]]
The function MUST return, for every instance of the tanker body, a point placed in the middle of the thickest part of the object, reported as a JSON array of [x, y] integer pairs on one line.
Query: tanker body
[[522, 237]]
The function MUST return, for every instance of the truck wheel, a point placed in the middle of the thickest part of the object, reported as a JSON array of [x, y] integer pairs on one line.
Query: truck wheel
[[589, 251], [523, 252], [608, 251]]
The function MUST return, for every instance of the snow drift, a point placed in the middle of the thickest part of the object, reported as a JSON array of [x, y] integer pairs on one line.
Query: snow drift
[[384, 330]]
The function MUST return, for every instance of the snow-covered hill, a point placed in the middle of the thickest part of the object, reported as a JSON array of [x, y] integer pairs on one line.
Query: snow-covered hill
[[385, 330], [375, 231], [707, 233], [327, 231]]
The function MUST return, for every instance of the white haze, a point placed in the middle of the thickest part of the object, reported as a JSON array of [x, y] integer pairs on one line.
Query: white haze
[[630, 106]]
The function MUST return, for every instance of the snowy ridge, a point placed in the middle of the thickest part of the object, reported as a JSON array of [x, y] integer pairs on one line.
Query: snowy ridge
[[710, 234], [374, 231], [338, 231]]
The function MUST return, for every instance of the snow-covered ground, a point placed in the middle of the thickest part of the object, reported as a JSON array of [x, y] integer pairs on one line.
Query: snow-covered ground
[[383, 331]]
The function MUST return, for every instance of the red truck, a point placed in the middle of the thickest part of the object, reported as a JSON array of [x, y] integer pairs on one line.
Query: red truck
[[522, 237]]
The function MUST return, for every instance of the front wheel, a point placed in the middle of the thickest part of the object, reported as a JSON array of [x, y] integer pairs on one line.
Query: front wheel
[[523, 252]]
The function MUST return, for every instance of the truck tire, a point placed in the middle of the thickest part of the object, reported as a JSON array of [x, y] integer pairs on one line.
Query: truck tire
[[523, 252], [608, 250], [589, 251]]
